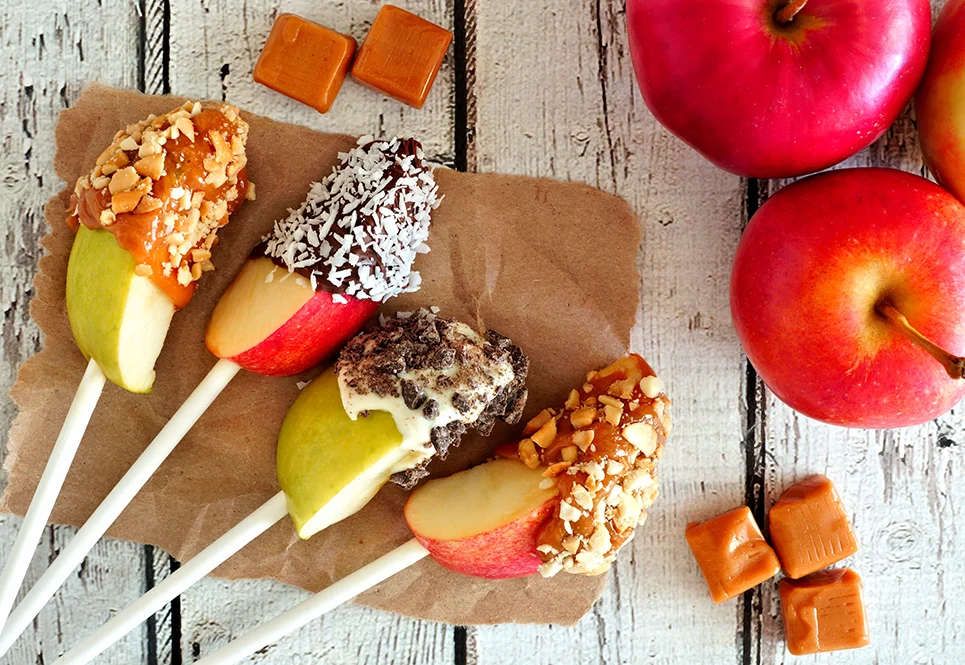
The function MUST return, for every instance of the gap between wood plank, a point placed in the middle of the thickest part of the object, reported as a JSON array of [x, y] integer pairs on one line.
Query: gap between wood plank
[[153, 49], [464, 49], [464, 120], [755, 462]]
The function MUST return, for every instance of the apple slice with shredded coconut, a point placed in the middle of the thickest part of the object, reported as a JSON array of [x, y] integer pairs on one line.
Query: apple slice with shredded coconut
[[326, 267]]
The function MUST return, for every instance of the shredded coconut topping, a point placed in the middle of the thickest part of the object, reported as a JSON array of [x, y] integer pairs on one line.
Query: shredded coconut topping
[[361, 228]]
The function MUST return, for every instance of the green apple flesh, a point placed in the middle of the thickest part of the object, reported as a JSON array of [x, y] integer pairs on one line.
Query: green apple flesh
[[118, 318], [330, 466]]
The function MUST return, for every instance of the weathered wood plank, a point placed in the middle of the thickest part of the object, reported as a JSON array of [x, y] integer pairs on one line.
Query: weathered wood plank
[[903, 488], [51, 51], [214, 46], [564, 105]]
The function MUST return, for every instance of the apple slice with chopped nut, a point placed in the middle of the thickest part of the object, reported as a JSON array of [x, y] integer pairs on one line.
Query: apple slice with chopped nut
[[485, 521]]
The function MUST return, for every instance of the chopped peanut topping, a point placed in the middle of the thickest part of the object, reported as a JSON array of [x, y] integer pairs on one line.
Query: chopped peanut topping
[[527, 453], [538, 421], [545, 435], [602, 450], [581, 418], [165, 186]]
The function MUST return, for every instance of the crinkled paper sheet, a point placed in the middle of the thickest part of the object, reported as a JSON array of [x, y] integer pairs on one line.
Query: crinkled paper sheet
[[550, 264]]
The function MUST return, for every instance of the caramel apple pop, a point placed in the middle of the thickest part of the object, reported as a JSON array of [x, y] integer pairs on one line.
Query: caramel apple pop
[[308, 288], [146, 218], [569, 506], [399, 396]]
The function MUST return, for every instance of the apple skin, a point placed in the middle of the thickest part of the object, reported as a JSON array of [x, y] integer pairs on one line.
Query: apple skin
[[316, 331], [940, 101], [276, 325], [322, 452], [811, 267], [769, 101], [507, 552], [498, 552]]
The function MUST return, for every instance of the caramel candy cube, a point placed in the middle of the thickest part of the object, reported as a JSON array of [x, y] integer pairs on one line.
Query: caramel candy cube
[[809, 527], [401, 55], [824, 612], [732, 553], [305, 61]]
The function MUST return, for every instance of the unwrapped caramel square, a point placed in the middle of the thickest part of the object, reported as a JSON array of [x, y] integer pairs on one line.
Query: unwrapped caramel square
[[824, 612], [305, 61], [732, 553], [401, 55], [809, 527]]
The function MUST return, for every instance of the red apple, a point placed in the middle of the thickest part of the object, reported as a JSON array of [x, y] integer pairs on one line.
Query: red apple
[[778, 88], [940, 101], [484, 522], [848, 293], [273, 323]]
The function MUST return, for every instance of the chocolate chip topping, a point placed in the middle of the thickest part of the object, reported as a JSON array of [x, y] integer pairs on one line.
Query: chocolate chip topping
[[414, 358], [413, 394], [430, 410]]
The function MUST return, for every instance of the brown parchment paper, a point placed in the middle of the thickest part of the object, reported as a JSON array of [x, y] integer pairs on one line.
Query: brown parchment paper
[[550, 264]]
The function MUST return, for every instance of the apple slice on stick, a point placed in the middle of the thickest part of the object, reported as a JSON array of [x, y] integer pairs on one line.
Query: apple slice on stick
[[120, 300], [291, 306], [400, 395], [485, 519], [549, 510]]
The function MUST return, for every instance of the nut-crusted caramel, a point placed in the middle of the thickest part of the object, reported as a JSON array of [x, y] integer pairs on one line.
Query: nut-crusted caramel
[[164, 187], [601, 450]]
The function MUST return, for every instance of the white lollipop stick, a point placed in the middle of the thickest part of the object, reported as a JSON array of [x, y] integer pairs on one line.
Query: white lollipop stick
[[18, 559], [324, 601], [175, 584], [122, 494]]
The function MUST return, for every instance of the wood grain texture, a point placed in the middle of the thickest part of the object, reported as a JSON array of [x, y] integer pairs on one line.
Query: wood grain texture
[[214, 46], [538, 88], [573, 112], [50, 51]]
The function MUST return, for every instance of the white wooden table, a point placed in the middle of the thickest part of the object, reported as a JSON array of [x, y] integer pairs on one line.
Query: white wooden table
[[541, 88]]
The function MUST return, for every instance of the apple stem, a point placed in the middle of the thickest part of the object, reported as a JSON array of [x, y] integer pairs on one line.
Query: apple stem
[[954, 365], [787, 13]]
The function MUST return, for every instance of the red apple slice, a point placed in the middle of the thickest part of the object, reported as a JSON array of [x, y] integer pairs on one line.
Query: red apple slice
[[271, 322], [484, 522]]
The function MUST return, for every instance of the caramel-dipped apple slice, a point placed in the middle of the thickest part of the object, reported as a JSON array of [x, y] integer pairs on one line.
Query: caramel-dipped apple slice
[[146, 218]]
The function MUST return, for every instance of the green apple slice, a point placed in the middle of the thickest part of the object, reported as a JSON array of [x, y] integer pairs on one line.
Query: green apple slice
[[330, 466], [118, 318]]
